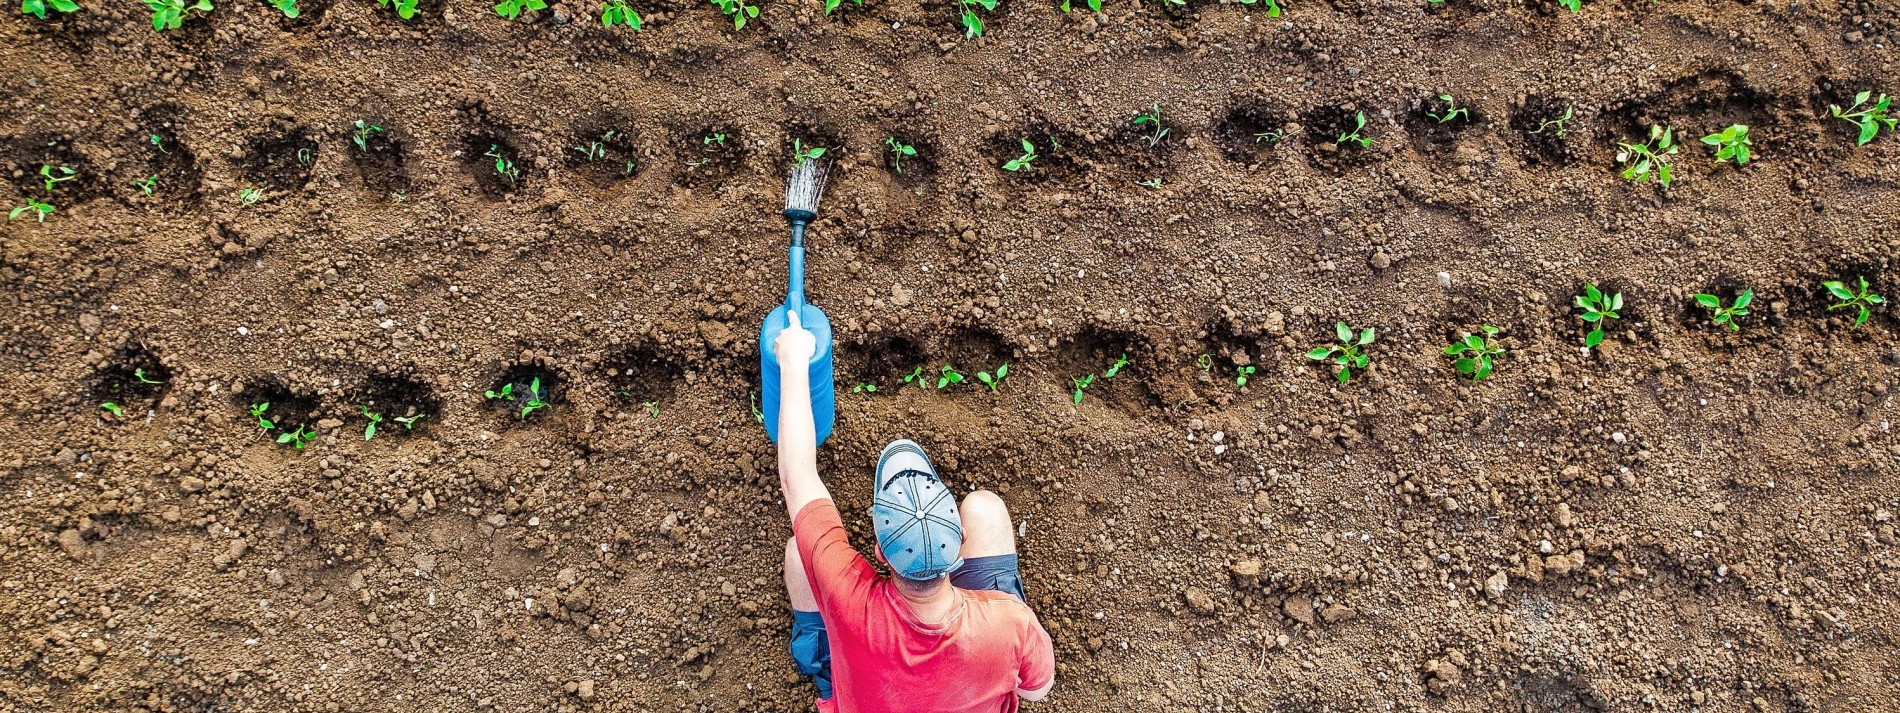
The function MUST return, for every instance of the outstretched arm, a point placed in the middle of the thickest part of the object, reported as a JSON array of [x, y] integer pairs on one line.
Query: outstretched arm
[[797, 435]]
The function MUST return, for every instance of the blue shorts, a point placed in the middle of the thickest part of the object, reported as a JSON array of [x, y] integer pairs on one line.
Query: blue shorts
[[811, 650]]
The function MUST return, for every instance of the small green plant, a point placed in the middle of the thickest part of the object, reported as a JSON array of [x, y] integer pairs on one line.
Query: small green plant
[[831, 5], [1862, 300], [1206, 362], [52, 176], [1021, 162], [535, 400], [994, 381], [1452, 110], [1561, 124], [1081, 385], [1597, 308], [512, 9], [1116, 368], [409, 422], [596, 150], [1153, 184], [864, 387], [1475, 353], [158, 142], [899, 150], [618, 12], [917, 375], [142, 378], [738, 10], [1727, 316], [364, 130], [1649, 160], [503, 165], [257, 412], [288, 7], [299, 438], [973, 25], [169, 14], [1730, 143], [1572, 5], [37, 8], [1273, 6], [1242, 374], [1094, 5], [948, 376], [148, 185], [116, 410], [1348, 354], [718, 140], [1358, 125], [1869, 119], [757, 414], [505, 393], [1152, 118], [405, 9], [39, 209], [305, 155], [652, 407], [1271, 137], [249, 196], [802, 153], [369, 431]]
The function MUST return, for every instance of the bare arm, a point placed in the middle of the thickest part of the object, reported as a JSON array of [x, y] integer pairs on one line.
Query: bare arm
[[1038, 694], [797, 436]]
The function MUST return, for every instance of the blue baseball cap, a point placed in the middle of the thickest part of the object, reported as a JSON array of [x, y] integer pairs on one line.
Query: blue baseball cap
[[919, 531]]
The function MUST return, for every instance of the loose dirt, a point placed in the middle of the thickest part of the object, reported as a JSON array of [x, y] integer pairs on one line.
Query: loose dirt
[[1684, 519]]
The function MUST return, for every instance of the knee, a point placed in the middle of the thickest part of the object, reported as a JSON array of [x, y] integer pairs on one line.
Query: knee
[[983, 507], [791, 553]]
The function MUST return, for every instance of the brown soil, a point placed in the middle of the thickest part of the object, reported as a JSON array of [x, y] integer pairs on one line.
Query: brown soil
[[1687, 519]]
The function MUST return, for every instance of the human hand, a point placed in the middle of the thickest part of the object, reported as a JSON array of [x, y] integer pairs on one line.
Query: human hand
[[796, 344]]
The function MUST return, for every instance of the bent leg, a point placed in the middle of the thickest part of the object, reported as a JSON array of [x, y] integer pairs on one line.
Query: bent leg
[[989, 547]]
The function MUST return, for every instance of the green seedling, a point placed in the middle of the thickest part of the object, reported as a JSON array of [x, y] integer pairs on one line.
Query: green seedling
[[898, 151], [1475, 353], [994, 381], [405, 9], [831, 5], [1730, 143], [1206, 362], [142, 378], [618, 12], [917, 376], [757, 415], [1116, 368], [512, 9], [697, 163], [1359, 124], [399, 196], [148, 185], [506, 393], [534, 402], [52, 176], [37, 8], [288, 7], [1348, 354], [158, 142], [1080, 385], [299, 438], [1452, 110], [1271, 137], [738, 10], [1572, 5], [1649, 160], [369, 431], [503, 165], [409, 422], [652, 407], [802, 153], [1727, 316], [117, 410], [596, 150], [257, 412], [1152, 117], [1273, 6], [249, 196], [39, 209], [1153, 184], [973, 25], [1021, 162], [714, 140], [1597, 308], [169, 14], [305, 155], [1862, 300], [1242, 374], [1094, 5], [948, 376], [1869, 119], [864, 387], [364, 130], [1561, 124]]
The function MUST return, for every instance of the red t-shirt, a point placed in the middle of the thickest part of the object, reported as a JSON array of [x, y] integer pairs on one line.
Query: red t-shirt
[[884, 660]]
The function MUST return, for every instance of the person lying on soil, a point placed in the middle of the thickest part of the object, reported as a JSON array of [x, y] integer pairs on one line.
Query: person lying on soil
[[948, 631]]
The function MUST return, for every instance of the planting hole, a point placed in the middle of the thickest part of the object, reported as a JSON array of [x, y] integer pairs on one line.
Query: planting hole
[[379, 157], [709, 155], [1250, 133], [280, 162], [516, 394], [407, 406], [604, 156], [133, 379], [287, 410], [498, 168], [641, 375]]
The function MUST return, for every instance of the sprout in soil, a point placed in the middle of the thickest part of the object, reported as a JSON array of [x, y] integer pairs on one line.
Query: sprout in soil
[[409, 422], [802, 153], [506, 393], [619, 12], [1869, 119], [405, 9], [917, 376], [360, 137], [1242, 374], [503, 165], [1475, 353], [973, 25], [257, 412], [288, 7], [117, 411], [305, 156], [39, 209], [1559, 124], [757, 415], [169, 14], [1849, 299], [534, 402], [1730, 143], [512, 9], [1271, 137], [714, 139], [142, 378], [249, 196], [369, 431], [738, 10], [1348, 354], [994, 381], [37, 8], [899, 150], [1080, 384], [1359, 124], [831, 5], [1206, 362], [1150, 183], [1273, 6], [148, 185], [159, 143], [1094, 5], [1116, 368], [1649, 160], [864, 387], [1021, 162], [298, 438], [1152, 117], [596, 150], [52, 176], [1597, 308], [1452, 110], [948, 376], [652, 407], [1727, 316], [1572, 5]]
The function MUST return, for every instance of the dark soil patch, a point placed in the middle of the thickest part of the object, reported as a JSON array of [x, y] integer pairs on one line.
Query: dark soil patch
[[1095, 351], [24, 159], [497, 167], [1057, 153], [408, 406], [1544, 127], [377, 151], [520, 388], [280, 162], [1435, 123], [642, 374], [134, 379], [605, 156], [286, 409], [709, 155], [1251, 133], [881, 361], [171, 168], [1325, 128]]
